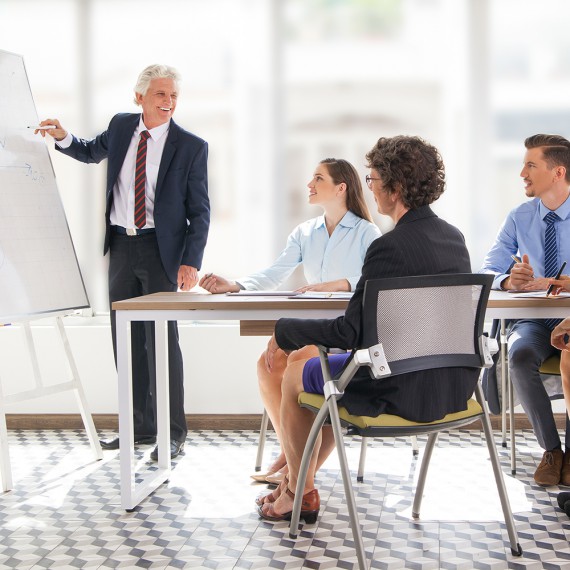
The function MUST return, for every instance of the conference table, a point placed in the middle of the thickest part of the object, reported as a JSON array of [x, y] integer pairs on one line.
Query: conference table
[[256, 316]]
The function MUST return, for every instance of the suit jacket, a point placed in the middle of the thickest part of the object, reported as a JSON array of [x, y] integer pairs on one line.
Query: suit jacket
[[181, 208], [420, 244]]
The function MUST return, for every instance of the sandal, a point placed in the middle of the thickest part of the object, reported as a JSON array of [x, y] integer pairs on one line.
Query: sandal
[[270, 497], [310, 506]]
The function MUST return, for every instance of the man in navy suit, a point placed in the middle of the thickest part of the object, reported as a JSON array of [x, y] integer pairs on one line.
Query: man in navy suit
[[161, 247]]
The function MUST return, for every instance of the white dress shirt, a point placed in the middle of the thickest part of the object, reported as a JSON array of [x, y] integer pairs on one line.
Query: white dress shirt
[[123, 207]]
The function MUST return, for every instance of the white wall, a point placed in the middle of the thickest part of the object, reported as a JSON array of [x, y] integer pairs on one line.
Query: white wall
[[220, 366]]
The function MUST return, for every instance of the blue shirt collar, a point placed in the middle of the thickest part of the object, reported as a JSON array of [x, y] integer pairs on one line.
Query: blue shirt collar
[[349, 220], [563, 211]]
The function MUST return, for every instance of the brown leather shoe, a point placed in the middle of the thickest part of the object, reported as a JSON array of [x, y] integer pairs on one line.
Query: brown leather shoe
[[565, 474], [548, 472]]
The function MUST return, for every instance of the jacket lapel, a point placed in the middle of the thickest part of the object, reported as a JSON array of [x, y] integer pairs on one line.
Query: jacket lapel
[[167, 155], [124, 137]]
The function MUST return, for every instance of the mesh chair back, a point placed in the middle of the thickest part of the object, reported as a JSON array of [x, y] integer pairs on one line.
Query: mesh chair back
[[430, 321]]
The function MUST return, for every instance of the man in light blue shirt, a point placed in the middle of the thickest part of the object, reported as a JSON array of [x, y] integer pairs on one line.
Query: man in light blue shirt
[[540, 239]]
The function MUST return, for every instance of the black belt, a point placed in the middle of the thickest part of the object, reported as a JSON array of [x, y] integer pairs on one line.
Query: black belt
[[132, 231]]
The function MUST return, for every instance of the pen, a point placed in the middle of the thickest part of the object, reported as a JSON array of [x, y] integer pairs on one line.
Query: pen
[[515, 259], [44, 128], [550, 287]]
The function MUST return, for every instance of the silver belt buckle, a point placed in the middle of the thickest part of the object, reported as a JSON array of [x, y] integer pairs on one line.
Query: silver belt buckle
[[131, 232]]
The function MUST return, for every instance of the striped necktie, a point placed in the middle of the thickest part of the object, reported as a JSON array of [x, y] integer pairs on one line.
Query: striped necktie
[[550, 255], [140, 181]]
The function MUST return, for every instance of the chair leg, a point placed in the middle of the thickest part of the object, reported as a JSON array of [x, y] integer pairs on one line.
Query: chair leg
[[362, 461], [504, 383], [432, 438], [304, 468], [261, 442], [348, 490], [512, 426], [516, 549], [415, 446]]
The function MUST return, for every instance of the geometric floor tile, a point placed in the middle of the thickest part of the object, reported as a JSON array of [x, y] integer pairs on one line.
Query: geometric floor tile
[[64, 510]]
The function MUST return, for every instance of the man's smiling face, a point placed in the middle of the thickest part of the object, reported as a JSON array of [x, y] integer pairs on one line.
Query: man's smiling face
[[159, 102]]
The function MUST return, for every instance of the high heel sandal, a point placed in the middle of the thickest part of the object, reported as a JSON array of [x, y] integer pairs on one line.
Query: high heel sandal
[[310, 506], [270, 497]]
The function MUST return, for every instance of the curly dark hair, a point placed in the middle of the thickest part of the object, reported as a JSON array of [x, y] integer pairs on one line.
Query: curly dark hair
[[410, 166]]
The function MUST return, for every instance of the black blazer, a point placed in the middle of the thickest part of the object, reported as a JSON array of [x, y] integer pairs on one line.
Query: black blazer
[[420, 244], [181, 208]]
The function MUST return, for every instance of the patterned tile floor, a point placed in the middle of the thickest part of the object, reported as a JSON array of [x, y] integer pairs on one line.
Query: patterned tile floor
[[64, 510]]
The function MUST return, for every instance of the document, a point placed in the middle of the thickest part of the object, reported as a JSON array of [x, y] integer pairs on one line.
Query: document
[[538, 295], [324, 295], [245, 293]]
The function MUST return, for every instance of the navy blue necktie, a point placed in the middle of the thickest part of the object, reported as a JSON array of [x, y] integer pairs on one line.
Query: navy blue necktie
[[550, 255]]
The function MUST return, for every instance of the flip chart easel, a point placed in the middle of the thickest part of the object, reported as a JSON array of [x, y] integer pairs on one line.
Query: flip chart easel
[[39, 272]]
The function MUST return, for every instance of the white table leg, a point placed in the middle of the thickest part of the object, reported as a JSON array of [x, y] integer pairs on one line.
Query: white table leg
[[162, 395], [131, 494], [126, 435]]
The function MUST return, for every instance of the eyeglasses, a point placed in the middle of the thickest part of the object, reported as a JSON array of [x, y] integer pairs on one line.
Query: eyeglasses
[[369, 180]]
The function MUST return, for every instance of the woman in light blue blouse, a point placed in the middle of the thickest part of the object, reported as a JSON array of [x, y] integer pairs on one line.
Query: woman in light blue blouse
[[331, 248]]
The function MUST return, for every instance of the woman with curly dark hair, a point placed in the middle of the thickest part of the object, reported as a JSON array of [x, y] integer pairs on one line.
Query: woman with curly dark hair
[[406, 175]]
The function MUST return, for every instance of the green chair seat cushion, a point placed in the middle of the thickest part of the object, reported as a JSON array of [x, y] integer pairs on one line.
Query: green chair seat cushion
[[551, 366], [315, 401]]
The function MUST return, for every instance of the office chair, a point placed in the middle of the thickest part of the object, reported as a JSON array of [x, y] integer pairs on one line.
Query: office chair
[[363, 447], [443, 315], [261, 440]]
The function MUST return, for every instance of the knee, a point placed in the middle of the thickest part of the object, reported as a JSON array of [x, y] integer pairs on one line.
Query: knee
[[266, 379], [293, 380], [523, 357]]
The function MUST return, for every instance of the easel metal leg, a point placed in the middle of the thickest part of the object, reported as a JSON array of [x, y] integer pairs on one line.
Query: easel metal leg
[[80, 394]]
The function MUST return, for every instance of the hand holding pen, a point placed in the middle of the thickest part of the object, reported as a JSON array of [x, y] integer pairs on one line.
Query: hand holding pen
[[554, 282], [522, 274], [50, 126]]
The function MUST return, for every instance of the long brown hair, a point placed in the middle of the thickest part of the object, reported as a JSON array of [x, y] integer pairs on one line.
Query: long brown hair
[[342, 171]]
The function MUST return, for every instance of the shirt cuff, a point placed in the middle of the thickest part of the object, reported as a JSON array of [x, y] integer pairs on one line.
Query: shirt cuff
[[66, 142], [498, 280]]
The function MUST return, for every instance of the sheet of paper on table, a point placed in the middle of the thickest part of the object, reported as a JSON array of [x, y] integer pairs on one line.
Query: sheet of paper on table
[[245, 293], [538, 295]]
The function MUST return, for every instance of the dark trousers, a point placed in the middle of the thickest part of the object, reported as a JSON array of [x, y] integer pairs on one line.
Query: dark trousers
[[529, 346], [135, 269]]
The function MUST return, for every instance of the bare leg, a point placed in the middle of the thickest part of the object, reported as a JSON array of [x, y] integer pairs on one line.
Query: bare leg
[[296, 424], [270, 389]]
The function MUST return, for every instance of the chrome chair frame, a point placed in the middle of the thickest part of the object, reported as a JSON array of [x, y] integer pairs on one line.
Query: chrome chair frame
[[380, 367]]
